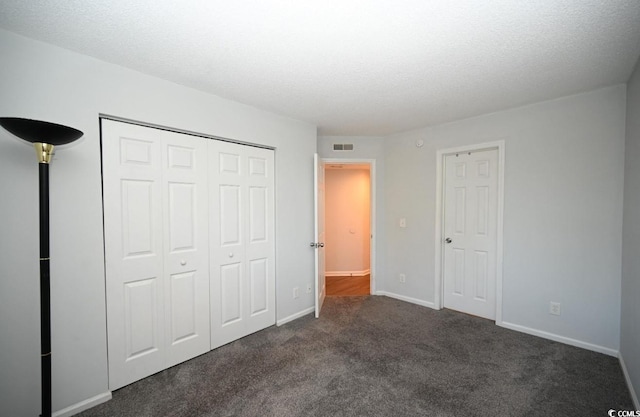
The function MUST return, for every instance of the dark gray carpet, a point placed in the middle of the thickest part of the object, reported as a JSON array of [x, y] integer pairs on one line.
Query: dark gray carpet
[[376, 356]]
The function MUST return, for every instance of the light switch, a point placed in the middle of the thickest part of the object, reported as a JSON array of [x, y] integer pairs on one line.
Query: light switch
[[403, 222]]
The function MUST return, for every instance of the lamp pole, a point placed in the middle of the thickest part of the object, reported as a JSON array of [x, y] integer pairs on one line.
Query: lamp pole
[[44, 136], [45, 152]]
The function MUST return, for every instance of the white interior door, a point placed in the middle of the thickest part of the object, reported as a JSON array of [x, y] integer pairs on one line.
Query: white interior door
[[319, 234], [156, 249], [470, 232], [242, 241], [186, 246]]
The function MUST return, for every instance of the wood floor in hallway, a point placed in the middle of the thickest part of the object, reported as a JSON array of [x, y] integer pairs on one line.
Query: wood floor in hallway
[[346, 286]]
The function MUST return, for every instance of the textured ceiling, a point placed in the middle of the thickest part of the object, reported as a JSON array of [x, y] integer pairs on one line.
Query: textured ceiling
[[353, 67]]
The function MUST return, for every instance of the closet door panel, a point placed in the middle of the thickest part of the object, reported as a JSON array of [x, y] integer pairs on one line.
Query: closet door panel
[[132, 181], [260, 247], [156, 247], [186, 243], [227, 277], [242, 248]]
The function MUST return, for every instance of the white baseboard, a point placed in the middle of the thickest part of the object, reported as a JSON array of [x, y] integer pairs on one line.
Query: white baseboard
[[558, 338], [632, 391], [407, 299], [519, 328], [295, 316], [83, 405], [347, 273]]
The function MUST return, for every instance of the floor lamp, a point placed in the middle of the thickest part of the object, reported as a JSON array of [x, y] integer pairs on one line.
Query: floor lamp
[[44, 136]]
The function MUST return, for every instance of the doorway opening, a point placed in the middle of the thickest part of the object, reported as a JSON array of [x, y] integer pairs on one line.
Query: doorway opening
[[348, 224]]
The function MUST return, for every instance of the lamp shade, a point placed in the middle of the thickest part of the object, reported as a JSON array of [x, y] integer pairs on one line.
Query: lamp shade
[[36, 131]]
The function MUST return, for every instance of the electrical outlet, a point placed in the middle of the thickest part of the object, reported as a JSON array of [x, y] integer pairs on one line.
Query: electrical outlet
[[554, 308], [309, 289], [296, 292], [402, 278]]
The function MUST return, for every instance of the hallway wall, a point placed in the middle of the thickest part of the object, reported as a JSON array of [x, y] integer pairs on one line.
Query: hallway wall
[[347, 221]]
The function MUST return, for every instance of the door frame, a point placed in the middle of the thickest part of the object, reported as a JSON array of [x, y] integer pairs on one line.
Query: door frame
[[372, 220], [320, 291], [439, 237]]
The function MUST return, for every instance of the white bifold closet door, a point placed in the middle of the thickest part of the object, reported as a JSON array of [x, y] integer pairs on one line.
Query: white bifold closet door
[[189, 246], [242, 240], [156, 249]]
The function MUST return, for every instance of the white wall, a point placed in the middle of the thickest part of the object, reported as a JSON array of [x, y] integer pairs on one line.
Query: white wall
[[347, 221], [372, 148], [44, 82], [630, 311], [562, 219]]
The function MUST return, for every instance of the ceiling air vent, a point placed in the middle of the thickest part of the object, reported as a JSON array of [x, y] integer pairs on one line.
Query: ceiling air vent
[[343, 146]]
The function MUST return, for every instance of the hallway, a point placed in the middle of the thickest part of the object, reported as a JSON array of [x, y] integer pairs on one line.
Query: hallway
[[348, 286]]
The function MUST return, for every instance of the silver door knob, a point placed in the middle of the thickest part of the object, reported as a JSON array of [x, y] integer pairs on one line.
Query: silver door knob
[[448, 240], [183, 262], [312, 244], [321, 245]]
